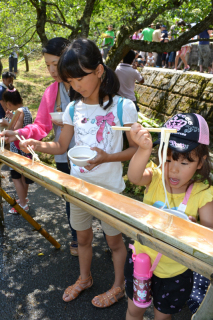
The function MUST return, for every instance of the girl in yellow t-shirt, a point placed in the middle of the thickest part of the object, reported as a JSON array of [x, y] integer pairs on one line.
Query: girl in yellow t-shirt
[[187, 156]]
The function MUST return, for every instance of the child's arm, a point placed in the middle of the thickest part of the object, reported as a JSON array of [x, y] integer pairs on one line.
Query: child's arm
[[19, 123], [103, 157], [137, 172], [206, 215], [58, 147]]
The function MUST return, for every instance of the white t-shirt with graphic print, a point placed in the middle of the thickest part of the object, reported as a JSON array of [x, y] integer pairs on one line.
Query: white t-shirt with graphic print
[[93, 128]]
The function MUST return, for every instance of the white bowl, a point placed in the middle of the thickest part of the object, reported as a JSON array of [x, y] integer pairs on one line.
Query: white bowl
[[57, 116], [80, 155], [177, 213]]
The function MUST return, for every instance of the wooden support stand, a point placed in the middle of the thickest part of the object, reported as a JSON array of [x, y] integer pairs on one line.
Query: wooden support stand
[[26, 216]]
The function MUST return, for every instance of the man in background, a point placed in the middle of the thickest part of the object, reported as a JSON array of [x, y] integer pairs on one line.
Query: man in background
[[7, 78], [108, 40]]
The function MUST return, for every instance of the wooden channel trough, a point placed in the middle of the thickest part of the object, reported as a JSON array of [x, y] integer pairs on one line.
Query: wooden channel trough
[[188, 243]]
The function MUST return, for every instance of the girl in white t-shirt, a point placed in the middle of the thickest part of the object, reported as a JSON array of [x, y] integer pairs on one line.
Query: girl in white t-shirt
[[95, 112]]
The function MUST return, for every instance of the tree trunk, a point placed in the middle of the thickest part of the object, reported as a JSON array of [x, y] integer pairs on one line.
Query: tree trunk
[[26, 62], [1, 67]]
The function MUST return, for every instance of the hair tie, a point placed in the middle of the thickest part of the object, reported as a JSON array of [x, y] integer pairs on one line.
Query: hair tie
[[13, 90], [104, 66]]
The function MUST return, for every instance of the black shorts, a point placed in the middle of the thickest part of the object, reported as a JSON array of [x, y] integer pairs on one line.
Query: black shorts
[[169, 294], [16, 175]]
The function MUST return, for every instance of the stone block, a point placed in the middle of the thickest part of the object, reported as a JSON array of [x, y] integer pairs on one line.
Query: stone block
[[186, 104], [190, 85], [146, 96], [165, 81], [149, 77], [205, 109], [208, 91]]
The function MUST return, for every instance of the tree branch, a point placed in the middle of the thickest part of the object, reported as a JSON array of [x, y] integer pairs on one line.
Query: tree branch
[[55, 5], [15, 47], [60, 23]]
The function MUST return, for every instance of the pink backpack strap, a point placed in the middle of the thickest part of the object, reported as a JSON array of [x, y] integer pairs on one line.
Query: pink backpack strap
[[188, 193], [155, 263]]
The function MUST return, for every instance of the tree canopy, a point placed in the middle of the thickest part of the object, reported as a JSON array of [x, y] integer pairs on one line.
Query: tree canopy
[[30, 23]]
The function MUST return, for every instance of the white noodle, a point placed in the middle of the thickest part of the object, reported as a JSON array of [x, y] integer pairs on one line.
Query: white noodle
[[165, 135]]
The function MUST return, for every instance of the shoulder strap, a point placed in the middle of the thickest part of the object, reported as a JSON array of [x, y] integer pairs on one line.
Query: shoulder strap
[[183, 204], [72, 109], [120, 110], [58, 99]]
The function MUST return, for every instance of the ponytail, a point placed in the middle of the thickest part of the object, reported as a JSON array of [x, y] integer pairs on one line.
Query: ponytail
[[12, 95]]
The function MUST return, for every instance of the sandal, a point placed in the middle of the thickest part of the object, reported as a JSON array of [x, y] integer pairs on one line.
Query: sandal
[[108, 298], [74, 248], [73, 291]]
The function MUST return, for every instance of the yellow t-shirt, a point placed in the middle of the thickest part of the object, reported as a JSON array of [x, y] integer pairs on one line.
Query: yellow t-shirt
[[155, 196]]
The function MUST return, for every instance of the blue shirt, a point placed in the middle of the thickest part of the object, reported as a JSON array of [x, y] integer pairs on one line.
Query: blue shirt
[[2, 112], [204, 34]]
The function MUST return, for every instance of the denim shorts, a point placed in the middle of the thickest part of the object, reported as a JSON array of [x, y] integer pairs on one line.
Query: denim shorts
[[169, 294]]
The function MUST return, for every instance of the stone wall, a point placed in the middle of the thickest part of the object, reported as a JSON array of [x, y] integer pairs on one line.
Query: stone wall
[[166, 92]]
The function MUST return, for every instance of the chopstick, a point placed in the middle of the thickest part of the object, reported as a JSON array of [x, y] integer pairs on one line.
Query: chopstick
[[29, 148], [149, 129], [2, 142]]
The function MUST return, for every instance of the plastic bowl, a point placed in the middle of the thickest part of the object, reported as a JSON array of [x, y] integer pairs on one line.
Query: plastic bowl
[[80, 155], [57, 116], [177, 213]]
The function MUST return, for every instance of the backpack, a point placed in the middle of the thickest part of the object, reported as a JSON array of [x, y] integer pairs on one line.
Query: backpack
[[119, 110]]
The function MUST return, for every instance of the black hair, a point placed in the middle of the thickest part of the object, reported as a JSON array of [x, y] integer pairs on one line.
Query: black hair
[[13, 97], [6, 75], [129, 57], [181, 23], [202, 151], [56, 46], [84, 54], [158, 26]]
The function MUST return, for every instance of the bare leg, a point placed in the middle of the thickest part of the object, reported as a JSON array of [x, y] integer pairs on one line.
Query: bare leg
[[134, 312], [85, 251], [21, 189], [176, 61], [85, 258], [161, 316], [184, 61], [119, 253]]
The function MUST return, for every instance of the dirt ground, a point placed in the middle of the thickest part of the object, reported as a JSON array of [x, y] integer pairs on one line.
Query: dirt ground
[[33, 274]]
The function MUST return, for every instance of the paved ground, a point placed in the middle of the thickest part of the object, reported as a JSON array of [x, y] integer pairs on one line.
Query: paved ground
[[31, 285]]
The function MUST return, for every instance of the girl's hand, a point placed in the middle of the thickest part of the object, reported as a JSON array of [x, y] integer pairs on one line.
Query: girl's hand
[[192, 219], [141, 136], [100, 158], [4, 122], [9, 114], [9, 135], [30, 142], [58, 123]]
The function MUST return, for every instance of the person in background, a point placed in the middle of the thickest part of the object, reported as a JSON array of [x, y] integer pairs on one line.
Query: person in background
[[164, 56], [182, 52], [147, 33], [137, 35], [150, 60], [7, 78], [204, 52], [127, 77], [156, 37], [13, 61], [13, 101], [56, 98], [108, 40]]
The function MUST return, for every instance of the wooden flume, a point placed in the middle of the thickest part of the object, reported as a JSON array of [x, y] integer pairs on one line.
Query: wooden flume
[[149, 129], [183, 241]]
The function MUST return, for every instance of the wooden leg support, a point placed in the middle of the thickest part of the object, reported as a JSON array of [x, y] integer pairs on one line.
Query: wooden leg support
[[205, 311], [26, 216], [1, 206]]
